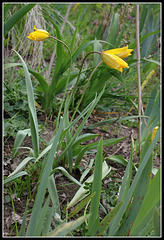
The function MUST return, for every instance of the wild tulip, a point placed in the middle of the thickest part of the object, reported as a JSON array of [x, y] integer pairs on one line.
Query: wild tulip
[[113, 57], [38, 34]]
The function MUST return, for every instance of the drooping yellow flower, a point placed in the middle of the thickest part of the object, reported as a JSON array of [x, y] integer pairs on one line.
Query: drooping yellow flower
[[154, 132], [113, 57], [38, 34]]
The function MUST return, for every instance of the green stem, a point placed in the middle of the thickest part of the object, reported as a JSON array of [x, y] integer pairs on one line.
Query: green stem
[[80, 73], [61, 105], [85, 87], [138, 76]]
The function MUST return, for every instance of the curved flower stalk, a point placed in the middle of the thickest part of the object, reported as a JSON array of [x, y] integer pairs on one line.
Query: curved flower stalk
[[40, 35], [113, 57]]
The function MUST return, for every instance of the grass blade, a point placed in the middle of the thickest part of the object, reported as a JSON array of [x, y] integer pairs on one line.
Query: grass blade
[[32, 109], [16, 17], [96, 188]]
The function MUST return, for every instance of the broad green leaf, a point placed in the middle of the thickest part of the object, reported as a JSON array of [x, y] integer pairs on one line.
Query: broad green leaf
[[139, 193], [83, 138], [16, 17], [119, 159], [41, 80]]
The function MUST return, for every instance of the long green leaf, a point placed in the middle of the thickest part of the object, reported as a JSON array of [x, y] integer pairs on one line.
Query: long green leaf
[[43, 183], [40, 220], [129, 195], [81, 205], [153, 195], [66, 228], [69, 153], [20, 136], [81, 193], [12, 178], [114, 29], [93, 104], [23, 225], [53, 194], [133, 45], [66, 174], [127, 177], [16, 17], [32, 109], [107, 219], [21, 165], [96, 188]]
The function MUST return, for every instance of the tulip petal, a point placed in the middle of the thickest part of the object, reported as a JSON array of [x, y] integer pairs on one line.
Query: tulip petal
[[121, 52], [113, 57]]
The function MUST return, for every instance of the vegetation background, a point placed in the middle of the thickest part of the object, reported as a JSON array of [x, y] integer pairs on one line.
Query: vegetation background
[[52, 147]]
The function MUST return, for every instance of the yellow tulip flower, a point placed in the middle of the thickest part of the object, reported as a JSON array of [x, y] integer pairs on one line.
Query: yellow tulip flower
[[154, 132], [113, 57], [38, 34]]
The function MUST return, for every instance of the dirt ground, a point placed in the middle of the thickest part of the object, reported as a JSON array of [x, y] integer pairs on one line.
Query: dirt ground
[[66, 189]]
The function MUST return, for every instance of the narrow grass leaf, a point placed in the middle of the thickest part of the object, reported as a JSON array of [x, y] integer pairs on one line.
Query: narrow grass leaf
[[16, 17]]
